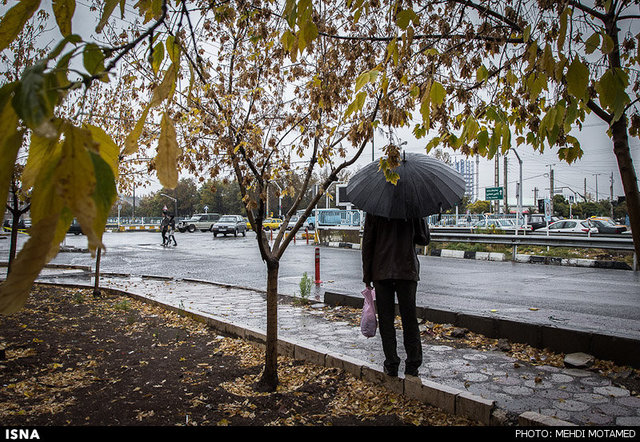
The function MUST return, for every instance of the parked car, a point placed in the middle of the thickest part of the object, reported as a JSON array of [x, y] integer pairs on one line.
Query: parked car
[[606, 225], [202, 221], [571, 226], [292, 222], [497, 223], [228, 224], [271, 223], [75, 228], [538, 220]]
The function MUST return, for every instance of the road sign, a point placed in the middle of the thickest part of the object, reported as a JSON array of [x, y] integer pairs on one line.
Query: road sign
[[493, 193]]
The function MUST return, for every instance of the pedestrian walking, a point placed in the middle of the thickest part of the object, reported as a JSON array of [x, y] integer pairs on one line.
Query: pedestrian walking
[[170, 231], [164, 226], [390, 265]]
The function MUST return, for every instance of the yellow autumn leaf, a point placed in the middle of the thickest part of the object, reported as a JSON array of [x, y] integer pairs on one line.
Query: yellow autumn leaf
[[131, 142], [10, 142], [41, 150], [14, 291], [166, 159], [76, 181]]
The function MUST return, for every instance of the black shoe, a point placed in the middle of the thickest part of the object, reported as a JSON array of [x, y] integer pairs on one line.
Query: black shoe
[[411, 372], [391, 372]]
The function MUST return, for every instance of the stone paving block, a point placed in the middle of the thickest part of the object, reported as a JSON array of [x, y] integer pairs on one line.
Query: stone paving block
[[375, 376], [309, 354], [474, 407], [533, 419], [350, 365]]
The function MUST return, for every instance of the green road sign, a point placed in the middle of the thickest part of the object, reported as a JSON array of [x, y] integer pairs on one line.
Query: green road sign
[[494, 193]]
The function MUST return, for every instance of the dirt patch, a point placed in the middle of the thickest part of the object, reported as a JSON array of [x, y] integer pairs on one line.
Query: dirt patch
[[73, 359]]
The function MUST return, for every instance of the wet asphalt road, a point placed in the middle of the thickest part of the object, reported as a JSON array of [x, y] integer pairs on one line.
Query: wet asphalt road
[[601, 300]]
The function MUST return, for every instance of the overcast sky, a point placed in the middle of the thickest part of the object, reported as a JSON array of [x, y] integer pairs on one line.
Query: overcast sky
[[597, 164]]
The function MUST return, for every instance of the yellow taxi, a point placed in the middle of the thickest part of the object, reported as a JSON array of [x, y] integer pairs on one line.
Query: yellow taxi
[[271, 223]]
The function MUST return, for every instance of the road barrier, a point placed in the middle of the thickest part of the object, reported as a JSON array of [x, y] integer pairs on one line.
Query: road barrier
[[610, 243]]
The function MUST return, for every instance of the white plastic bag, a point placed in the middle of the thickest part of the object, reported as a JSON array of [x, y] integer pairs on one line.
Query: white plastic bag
[[368, 321]]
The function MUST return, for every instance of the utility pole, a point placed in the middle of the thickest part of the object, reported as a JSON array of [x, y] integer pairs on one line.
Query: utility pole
[[596, 175], [551, 186], [611, 196], [519, 187], [585, 190], [497, 181], [535, 196], [506, 201]]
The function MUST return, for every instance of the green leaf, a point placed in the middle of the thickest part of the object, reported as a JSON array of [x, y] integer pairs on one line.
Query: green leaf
[[405, 17], [578, 79], [482, 74], [109, 6], [607, 44], [612, 93], [63, 11], [105, 194], [157, 57], [14, 20], [592, 43], [93, 59], [35, 97], [173, 49]]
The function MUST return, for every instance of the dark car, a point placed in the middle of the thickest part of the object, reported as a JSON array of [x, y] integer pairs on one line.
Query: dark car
[[607, 226], [228, 224], [538, 220], [6, 226], [75, 228]]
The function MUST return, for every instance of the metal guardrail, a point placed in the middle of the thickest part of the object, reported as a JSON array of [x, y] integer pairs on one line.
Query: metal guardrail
[[613, 243]]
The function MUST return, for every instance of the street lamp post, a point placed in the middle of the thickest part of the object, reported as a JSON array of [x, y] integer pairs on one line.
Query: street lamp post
[[175, 203]]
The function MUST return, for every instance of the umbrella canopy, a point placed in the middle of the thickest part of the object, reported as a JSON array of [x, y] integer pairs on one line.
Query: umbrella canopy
[[426, 186]]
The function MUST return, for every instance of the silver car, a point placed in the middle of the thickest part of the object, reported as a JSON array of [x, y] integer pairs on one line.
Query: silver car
[[201, 221], [228, 224]]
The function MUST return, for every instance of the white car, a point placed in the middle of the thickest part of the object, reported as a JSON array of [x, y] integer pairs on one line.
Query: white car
[[571, 226]]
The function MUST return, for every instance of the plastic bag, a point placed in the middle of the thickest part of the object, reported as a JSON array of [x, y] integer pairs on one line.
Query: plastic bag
[[368, 321]]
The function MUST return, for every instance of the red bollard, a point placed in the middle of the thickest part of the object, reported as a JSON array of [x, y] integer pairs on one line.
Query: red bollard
[[318, 266], [306, 233]]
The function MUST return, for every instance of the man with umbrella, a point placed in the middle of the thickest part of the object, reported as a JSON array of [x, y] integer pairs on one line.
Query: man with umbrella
[[394, 224]]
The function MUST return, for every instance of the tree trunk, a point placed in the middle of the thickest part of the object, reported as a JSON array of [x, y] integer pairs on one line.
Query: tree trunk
[[269, 379], [13, 246], [628, 176], [96, 286]]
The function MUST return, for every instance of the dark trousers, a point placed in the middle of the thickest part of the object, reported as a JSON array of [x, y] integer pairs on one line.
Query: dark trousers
[[385, 304]]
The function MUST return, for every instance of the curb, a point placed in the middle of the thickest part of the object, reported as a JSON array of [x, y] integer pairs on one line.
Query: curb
[[457, 402], [618, 349]]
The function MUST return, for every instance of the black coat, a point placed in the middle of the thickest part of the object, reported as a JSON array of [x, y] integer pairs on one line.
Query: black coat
[[388, 248]]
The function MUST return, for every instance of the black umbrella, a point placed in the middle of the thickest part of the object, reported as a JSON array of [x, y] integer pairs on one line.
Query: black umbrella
[[426, 186]]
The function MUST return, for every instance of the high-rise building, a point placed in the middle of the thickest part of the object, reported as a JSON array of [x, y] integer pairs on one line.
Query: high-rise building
[[468, 169]]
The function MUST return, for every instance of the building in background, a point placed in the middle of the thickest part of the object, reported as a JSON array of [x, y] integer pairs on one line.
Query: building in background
[[468, 168]]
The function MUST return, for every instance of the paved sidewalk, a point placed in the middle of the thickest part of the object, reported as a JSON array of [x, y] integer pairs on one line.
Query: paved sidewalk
[[488, 386]]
